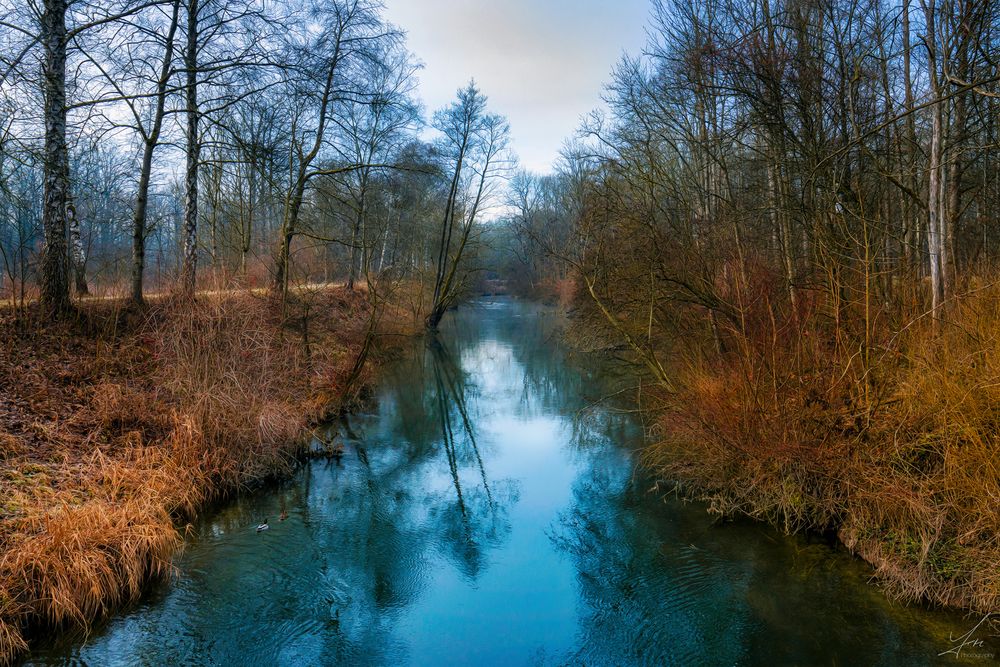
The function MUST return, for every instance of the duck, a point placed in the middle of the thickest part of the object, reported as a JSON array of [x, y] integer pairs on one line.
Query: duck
[[262, 527]]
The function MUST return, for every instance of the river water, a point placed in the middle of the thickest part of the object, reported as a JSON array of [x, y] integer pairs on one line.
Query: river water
[[487, 512]]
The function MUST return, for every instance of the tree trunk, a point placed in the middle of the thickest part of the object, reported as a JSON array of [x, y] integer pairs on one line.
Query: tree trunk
[[935, 242], [79, 258], [139, 225], [192, 154], [296, 194], [911, 231], [54, 270], [356, 234], [936, 225], [246, 229], [956, 139], [288, 227], [151, 140]]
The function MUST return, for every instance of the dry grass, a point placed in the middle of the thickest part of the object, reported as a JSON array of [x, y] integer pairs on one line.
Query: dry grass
[[931, 505], [112, 432], [897, 450]]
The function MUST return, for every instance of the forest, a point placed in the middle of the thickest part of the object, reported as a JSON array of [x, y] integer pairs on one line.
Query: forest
[[223, 221], [264, 143]]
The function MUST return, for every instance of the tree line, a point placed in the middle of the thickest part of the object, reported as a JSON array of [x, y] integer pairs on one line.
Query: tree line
[[273, 142], [786, 220], [768, 163]]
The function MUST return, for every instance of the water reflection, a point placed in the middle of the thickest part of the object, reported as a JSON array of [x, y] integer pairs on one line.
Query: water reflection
[[481, 515]]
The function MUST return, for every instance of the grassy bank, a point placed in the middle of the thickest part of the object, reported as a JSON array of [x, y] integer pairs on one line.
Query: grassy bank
[[118, 428], [885, 431]]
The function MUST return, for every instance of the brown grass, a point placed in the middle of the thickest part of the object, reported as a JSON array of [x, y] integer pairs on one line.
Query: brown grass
[[116, 429], [898, 451]]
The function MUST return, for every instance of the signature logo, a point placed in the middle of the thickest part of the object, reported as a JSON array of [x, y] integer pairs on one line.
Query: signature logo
[[966, 644]]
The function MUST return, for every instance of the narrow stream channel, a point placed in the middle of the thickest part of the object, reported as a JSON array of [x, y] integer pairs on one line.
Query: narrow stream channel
[[482, 516]]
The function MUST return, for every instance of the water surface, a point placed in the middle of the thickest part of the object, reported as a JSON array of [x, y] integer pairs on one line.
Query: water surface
[[486, 512]]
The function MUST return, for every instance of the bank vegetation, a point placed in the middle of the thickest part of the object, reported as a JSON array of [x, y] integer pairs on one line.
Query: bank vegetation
[[787, 219]]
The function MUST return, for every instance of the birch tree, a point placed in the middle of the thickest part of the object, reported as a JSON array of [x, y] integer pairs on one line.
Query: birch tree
[[52, 28]]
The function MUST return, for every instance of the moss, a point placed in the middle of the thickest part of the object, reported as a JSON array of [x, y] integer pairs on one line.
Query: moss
[[947, 560]]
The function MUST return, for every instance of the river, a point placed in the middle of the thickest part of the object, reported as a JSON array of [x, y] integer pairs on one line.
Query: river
[[487, 511]]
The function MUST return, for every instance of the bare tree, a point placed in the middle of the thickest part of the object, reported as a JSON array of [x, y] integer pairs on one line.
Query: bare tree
[[319, 81], [475, 143]]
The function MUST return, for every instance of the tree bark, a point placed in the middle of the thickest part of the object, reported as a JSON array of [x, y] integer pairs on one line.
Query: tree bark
[[911, 232], [79, 258], [192, 153], [54, 262], [936, 225]]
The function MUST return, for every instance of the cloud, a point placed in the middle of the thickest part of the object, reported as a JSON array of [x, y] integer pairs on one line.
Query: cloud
[[542, 63]]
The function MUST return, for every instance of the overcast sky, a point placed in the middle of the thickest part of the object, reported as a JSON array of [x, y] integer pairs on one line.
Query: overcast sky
[[541, 63]]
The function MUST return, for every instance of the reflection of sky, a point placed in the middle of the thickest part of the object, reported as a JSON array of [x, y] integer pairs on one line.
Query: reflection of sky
[[542, 63], [473, 619]]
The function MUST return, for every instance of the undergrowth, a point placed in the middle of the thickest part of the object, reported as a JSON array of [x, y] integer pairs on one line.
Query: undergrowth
[[884, 429], [118, 428]]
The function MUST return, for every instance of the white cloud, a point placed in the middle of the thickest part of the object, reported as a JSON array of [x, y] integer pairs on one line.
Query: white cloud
[[542, 63]]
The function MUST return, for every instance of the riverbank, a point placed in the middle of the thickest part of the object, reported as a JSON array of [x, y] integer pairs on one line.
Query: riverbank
[[893, 445], [118, 428]]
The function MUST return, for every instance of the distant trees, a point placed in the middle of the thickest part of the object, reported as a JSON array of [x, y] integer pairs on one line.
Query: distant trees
[[544, 241], [324, 88], [20, 218], [375, 130]]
